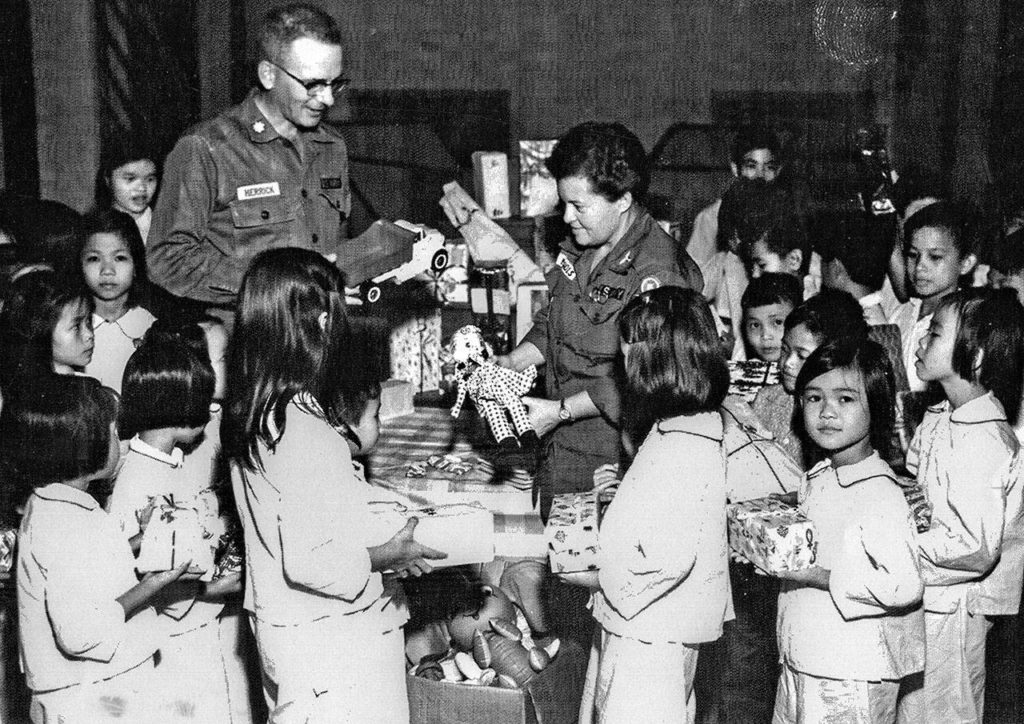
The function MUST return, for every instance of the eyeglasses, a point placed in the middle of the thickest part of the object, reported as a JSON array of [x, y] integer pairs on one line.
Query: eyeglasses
[[314, 87]]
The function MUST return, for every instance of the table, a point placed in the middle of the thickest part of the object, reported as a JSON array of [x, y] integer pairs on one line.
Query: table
[[500, 480]]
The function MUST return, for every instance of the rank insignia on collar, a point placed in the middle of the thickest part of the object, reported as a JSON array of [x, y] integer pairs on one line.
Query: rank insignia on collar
[[649, 283], [626, 258], [259, 126], [566, 266]]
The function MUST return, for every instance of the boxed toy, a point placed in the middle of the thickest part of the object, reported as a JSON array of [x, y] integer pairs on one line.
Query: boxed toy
[[772, 535], [415, 348], [464, 531], [551, 697], [175, 534], [8, 539], [571, 533]]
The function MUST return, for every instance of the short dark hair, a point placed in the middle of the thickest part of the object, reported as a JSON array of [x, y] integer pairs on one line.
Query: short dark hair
[[916, 183], [675, 365], [990, 321], [54, 429], [1007, 255], [166, 384], [955, 218], [772, 288], [829, 314], [751, 138], [609, 155], [123, 226], [752, 212], [288, 23], [862, 243], [870, 359], [113, 158], [30, 311]]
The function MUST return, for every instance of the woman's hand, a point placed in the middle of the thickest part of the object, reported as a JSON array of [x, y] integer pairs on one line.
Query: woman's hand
[[606, 481], [543, 414], [587, 579], [403, 554]]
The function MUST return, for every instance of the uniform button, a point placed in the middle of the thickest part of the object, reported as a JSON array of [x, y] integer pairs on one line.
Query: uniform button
[[315, 238], [304, 193], [264, 214]]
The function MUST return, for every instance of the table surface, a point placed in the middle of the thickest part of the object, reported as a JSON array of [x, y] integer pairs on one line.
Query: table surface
[[497, 478]]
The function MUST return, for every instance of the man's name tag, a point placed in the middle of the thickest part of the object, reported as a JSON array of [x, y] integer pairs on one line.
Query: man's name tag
[[259, 191]]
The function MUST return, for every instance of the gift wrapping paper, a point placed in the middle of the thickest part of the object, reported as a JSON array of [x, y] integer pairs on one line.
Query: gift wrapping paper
[[175, 534], [773, 536], [415, 347], [571, 533]]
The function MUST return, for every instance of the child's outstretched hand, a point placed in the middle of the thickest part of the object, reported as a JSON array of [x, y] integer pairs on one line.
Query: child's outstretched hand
[[814, 577], [403, 554], [220, 588], [606, 481], [141, 594]]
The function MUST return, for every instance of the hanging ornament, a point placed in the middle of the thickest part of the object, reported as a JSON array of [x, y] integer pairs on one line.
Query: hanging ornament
[[854, 32]]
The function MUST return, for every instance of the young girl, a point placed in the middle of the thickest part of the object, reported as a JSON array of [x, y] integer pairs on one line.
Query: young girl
[[46, 327], [849, 627], [168, 388], [114, 270], [330, 642], [88, 635], [825, 316], [662, 588], [127, 182], [964, 455], [938, 253]]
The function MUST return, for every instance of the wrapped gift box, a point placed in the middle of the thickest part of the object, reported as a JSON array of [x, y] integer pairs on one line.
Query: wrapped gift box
[[464, 532], [175, 534], [571, 533], [415, 347], [772, 535], [746, 378], [7, 540]]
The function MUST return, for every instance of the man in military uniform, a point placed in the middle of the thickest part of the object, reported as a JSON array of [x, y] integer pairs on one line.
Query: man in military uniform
[[260, 175], [617, 252]]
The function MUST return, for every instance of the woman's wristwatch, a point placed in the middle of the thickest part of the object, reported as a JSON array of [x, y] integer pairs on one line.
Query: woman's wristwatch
[[564, 413]]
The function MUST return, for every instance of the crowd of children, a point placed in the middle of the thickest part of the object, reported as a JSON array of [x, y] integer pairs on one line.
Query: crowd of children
[[110, 414]]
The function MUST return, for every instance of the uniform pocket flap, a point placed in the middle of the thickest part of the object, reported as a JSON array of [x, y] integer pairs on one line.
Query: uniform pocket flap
[[247, 214]]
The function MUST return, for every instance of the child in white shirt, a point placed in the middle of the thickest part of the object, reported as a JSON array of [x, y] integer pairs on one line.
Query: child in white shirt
[[168, 388], [114, 269], [851, 626], [88, 634], [965, 456]]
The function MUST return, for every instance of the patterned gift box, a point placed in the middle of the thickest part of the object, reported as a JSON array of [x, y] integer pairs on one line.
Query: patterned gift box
[[415, 347], [772, 535], [571, 533], [746, 378], [464, 531], [8, 538], [175, 534]]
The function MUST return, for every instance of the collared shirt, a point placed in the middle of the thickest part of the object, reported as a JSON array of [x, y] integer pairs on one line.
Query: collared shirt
[[663, 550], [234, 187], [307, 524], [73, 564], [149, 474], [144, 221], [115, 342], [578, 334], [868, 625], [913, 328], [967, 462]]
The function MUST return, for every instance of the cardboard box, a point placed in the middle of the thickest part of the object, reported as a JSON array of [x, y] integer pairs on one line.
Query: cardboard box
[[571, 533], [464, 532], [551, 697], [396, 399], [772, 535]]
